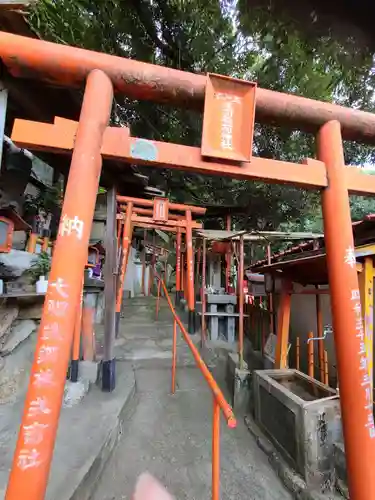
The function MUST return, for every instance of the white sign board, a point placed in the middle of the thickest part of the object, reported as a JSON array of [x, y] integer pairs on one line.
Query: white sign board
[[270, 347]]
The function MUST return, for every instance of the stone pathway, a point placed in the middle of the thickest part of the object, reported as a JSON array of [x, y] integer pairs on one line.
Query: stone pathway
[[170, 435]]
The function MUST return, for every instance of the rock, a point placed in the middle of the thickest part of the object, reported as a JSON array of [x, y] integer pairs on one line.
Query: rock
[[19, 332], [15, 263], [15, 374], [7, 315], [32, 311], [74, 392]]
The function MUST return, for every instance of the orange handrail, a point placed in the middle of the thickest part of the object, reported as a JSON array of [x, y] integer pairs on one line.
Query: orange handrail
[[225, 407], [219, 402]]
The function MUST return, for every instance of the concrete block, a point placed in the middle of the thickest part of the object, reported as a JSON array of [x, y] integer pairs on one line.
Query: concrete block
[[242, 393], [238, 382], [87, 436], [184, 305], [216, 298], [213, 323], [340, 469], [89, 299], [19, 332], [253, 358], [74, 392], [230, 324], [292, 481], [88, 371], [100, 306], [231, 330], [302, 418]]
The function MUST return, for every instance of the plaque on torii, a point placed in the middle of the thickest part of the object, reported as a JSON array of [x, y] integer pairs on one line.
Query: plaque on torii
[[161, 210], [228, 119]]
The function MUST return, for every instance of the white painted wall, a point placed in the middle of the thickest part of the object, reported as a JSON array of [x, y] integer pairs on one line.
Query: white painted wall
[[303, 321], [133, 275]]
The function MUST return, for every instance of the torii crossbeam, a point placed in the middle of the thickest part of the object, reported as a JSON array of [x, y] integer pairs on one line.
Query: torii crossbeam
[[225, 142]]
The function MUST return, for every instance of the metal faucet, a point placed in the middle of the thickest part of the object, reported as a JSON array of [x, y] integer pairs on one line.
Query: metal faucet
[[326, 330]]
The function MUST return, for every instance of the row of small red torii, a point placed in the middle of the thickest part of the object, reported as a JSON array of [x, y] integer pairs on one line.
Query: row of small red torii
[[157, 214]]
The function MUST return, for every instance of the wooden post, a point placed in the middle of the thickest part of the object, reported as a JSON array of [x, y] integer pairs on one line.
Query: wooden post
[[241, 273], [144, 262], [326, 368], [33, 455], [178, 266], [126, 242], [190, 273], [355, 384], [119, 231], [183, 288], [45, 243], [319, 329], [263, 324], [110, 282], [228, 257], [297, 354], [281, 360], [33, 237], [197, 267], [215, 451], [76, 348], [310, 355], [270, 296], [174, 356], [152, 269], [88, 332], [3, 111], [165, 276], [204, 257]]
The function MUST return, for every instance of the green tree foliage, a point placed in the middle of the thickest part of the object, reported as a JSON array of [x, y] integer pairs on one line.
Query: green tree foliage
[[230, 38]]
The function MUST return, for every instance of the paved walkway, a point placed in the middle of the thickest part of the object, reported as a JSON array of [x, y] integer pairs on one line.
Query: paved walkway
[[170, 435]]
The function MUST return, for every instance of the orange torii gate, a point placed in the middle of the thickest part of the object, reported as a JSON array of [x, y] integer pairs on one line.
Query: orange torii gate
[[160, 216], [226, 151]]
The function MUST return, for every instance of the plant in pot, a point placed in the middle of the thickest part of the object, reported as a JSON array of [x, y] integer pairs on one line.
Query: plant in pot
[[39, 272]]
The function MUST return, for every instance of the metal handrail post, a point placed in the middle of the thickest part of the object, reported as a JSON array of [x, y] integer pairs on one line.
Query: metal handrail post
[[215, 450], [174, 357], [158, 300]]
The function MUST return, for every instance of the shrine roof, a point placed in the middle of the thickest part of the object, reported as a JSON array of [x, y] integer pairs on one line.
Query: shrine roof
[[33, 100], [306, 263], [261, 236]]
